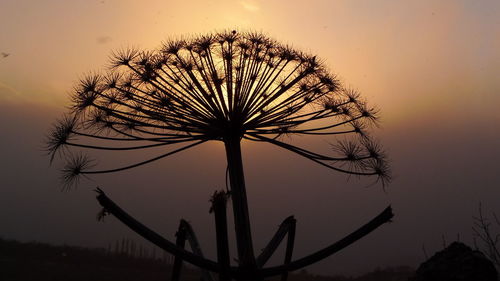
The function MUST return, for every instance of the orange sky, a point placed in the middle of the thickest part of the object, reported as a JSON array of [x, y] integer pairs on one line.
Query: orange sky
[[428, 54], [432, 67]]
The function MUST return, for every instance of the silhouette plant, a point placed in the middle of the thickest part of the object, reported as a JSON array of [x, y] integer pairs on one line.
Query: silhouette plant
[[484, 231], [224, 87]]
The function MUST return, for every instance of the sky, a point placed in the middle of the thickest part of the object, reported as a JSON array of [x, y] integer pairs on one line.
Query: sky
[[432, 68]]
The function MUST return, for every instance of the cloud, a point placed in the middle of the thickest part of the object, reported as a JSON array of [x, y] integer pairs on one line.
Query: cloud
[[104, 39], [7, 93], [250, 6]]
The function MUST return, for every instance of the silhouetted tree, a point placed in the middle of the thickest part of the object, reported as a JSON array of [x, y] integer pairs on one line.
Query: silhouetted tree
[[485, 230], [224, 87]]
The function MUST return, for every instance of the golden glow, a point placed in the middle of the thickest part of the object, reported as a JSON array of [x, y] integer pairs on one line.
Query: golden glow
[[409, 58], [430, 66], [251, 6]]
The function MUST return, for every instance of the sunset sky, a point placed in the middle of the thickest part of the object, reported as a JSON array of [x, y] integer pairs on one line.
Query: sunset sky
[[432, 67]]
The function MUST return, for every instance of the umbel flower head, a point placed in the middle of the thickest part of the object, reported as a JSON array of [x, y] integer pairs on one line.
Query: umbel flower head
[[220, 86]]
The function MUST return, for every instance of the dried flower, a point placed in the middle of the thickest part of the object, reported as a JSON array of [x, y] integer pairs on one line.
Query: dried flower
[[214, 86], [224, 87]]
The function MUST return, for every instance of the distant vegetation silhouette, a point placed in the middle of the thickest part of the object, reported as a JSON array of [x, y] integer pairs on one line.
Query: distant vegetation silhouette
[[62, 263], [486, 231], [226, 87]]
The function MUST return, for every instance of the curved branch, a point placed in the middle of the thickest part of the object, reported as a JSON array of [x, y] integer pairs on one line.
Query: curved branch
[[125, 147], [382, 218], [287, 226], [143, 162], [131, 137], [186, 232], [110, 207], [318, 158], [303, 152]]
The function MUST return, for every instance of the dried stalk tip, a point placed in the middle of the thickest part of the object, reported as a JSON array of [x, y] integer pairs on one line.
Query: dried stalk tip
[[218, 198], [101, 214], [382, 170], [59, 136], [74, 169]]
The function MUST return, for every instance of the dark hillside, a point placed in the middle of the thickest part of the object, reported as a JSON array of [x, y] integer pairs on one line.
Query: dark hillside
[[43, 262], [39, 261]]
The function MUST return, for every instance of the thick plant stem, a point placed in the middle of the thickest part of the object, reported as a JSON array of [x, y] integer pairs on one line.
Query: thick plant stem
[[287, 227], [219, 201], [240, 207], [186, 233], [289, 249], [180, 242]]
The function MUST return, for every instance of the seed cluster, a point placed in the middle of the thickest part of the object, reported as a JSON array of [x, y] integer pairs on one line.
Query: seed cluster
[[213, 87]]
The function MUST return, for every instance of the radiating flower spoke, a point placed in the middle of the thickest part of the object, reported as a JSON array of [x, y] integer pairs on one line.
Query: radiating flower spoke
[[211, 88]]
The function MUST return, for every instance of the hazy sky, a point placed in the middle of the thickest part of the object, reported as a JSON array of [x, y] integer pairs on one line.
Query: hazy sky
[[432, 67]]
